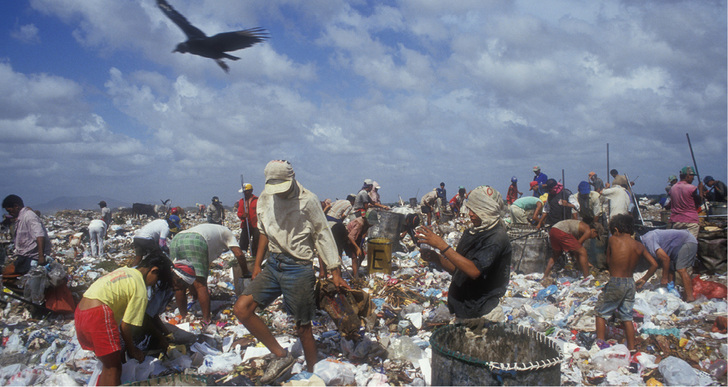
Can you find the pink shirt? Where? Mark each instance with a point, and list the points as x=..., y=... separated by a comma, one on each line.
x=682, y=203
x=28, y=228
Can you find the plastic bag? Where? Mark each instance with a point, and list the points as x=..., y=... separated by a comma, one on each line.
x=224, y=363
x=677, y=372
x=57, y=274
x=709, y=289
x=404, y=348
x=335, y=373
x=340, y=308
x=35, y=284
x=612, y=358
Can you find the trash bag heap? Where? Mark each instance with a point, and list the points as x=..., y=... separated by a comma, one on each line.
x=380, y=332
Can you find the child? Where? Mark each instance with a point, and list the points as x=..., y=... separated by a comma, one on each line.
x=623, y=253
x=119, y=297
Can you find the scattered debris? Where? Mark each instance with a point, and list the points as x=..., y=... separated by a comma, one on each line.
x=379, y=333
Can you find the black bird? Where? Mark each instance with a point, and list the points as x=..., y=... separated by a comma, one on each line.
x=213, y=47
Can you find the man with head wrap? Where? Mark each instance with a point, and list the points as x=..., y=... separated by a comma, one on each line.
x=557, y=205
x=480, y=266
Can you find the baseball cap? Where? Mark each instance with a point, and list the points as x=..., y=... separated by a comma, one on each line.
x=246, y=187
x=279, y=176
x=368, y=182
x=551, y=183
x=533, y=184
x=376, y=185
x=536, y=168
x=671, y=178
x=707, y=179
x=687, y=171
x=175, y=220
x=215, y=199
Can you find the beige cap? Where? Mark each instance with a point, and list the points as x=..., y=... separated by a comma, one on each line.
x=279, y=176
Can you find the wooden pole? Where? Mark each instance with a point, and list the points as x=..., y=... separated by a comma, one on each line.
x=608, y=175
x=695, y=165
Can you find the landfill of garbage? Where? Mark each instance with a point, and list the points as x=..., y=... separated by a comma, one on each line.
x=678, y=343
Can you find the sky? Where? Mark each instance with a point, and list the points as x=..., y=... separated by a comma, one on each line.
x=407, y=93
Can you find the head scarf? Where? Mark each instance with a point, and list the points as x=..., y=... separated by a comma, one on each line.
x=488, y=204
x=185, y=271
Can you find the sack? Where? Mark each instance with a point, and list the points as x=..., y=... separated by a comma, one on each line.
x=340, y=307
x=57, y=273
x=709, y=289
x=34, y=285
x=59, y=299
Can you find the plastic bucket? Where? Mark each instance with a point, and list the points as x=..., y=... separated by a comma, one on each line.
x=379, y=255
x=497, y=354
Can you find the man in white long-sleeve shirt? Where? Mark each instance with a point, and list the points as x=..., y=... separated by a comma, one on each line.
x=294, y=228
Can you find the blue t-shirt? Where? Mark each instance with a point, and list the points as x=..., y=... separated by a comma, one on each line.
x=541, y=179
x=670, y=241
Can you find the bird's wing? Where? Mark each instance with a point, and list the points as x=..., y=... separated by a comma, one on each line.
x=236, y=40
x=189, y=30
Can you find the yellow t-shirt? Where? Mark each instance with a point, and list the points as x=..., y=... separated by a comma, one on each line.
x=125, y=292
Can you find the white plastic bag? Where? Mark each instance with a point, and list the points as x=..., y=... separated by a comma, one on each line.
x=223, y=363
x=612, y=358
x=335, y=373
x=677, y=372
x=94, y=379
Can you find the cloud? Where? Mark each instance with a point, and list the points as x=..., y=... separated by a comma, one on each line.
x=49, y=133
x=407, y=93
x=27, y=33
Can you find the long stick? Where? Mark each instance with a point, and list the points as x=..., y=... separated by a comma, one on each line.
x=696, y=173
x=563, y=208
x=634, y=198
x=608, y=163
x=245, y=209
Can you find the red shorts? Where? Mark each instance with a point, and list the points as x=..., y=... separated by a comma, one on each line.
x=562, y=241
x=97, y=331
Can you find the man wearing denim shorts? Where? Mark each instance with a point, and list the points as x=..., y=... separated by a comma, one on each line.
x=676, y=249
x=292, y=226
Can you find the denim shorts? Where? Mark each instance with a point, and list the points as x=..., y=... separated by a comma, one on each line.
x=294, y=279
x=618, y=294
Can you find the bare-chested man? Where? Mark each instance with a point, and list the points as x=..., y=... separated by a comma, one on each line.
x=623, y=254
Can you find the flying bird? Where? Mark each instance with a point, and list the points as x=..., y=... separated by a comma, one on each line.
x=213, y=47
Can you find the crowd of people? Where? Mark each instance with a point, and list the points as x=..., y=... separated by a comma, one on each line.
x=290, y=228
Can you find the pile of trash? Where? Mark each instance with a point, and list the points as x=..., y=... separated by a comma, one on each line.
x=677, y=342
